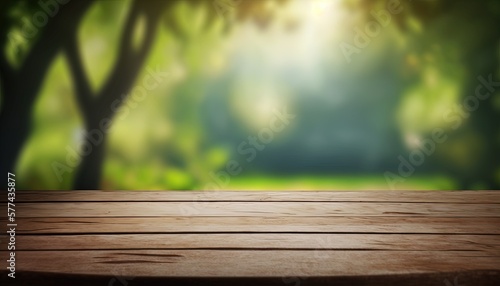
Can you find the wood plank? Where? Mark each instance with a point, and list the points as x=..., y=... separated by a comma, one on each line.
x=260, y=235
x=382, y=224
x=319, y=242
x=262, y=263
x=258, y=209
x=285, y=196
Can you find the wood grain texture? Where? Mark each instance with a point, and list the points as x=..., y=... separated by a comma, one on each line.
x=285, y=196
x=253, y=209
x=264, y=241
x=149, y=225
x=254, y=263
x=256, y=238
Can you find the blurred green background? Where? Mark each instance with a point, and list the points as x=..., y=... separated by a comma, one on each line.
x=365, y=84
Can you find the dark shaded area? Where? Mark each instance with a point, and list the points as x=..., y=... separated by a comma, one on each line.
x=479, y=278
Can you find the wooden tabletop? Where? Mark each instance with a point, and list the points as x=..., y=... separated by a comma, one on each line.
x=447, y=238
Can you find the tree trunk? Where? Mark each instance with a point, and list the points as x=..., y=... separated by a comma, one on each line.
x=485, y=119
x=20, y=87
x=93, y=150
x=95, y=108
x=15, y=127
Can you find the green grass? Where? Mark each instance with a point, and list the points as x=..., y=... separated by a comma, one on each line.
x=323, y=182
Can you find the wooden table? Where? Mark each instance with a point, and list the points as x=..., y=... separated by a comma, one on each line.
x=256, y=238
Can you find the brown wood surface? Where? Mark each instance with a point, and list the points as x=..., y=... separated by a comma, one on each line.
x=487, y=197
x=256, y=263
x=256, y=238
x=253, y=209
x=293, y=224
x=264, y=241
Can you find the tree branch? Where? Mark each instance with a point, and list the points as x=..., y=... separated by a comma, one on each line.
x=83, y=91
x=5, y=78
x=129, y=61
x=128, y=29
x=54, y=34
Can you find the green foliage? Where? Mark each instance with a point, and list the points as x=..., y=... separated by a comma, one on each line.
x=429, y=58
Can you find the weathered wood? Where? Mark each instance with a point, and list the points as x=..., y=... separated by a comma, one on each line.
x=468, y=197
x=147, y=225
x=344, y=238
x=254, y=263
x=264, y=241
x=259, y=209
